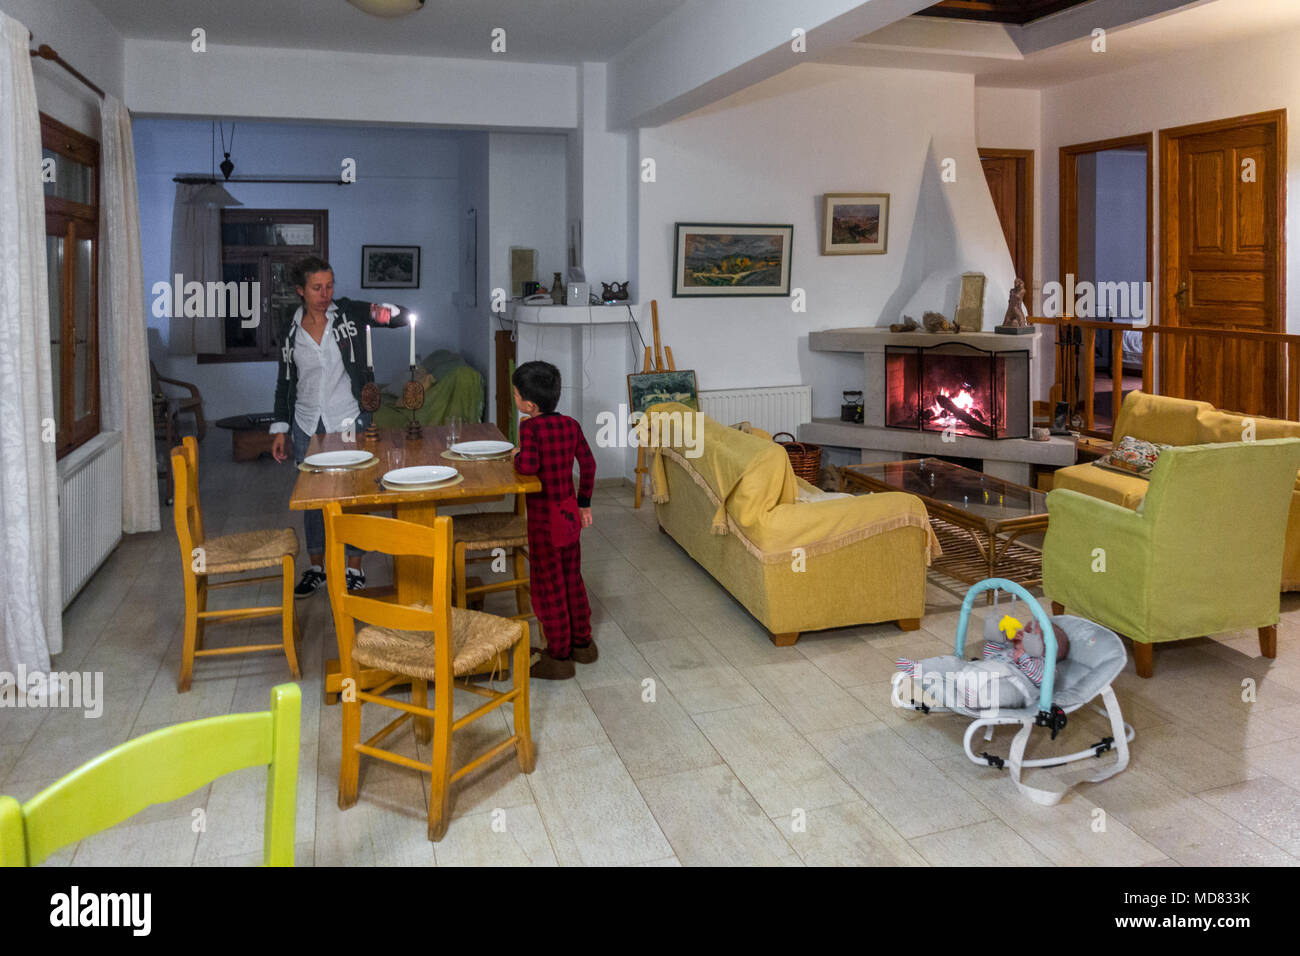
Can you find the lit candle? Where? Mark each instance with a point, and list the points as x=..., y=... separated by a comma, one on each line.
x=413, y=341
x=370, y=362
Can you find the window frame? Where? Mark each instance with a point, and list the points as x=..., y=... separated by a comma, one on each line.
x=72, y=221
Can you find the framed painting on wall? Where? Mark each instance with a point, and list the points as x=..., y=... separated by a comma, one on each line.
x=855, y=224
x=390, y=267
x=713, y=259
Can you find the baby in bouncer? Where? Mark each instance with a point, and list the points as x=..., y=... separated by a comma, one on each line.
x=1009, y=675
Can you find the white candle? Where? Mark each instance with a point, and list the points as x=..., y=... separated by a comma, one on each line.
x=370, y=362
x=412, y=340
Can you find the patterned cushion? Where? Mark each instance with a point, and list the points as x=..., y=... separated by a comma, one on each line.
x=1133, y=456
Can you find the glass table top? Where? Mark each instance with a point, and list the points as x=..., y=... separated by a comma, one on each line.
x=976, y=493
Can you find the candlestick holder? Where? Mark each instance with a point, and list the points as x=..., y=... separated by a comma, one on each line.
x=412, y=400
x=371, y=399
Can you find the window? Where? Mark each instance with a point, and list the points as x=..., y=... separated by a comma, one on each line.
x=262, y=245
x=71, y=171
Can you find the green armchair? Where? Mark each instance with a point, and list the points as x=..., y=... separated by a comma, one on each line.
x=1201, y=555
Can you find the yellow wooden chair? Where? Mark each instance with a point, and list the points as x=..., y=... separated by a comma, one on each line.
x=203, y=557
x=476, y=537
x=416, y=644
x=160, y=767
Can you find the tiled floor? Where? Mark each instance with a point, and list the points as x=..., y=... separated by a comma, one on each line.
x=691, y=741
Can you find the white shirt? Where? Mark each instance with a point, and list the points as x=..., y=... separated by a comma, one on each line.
x=324, y=388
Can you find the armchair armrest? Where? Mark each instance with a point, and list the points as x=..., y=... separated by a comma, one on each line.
x=194, y=389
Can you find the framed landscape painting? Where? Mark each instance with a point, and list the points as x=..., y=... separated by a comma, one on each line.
x=649, y=388
x=390, y=267
x=855, y=224
x=730, y=260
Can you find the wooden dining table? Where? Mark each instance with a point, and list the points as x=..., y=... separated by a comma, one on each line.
x=361, y=491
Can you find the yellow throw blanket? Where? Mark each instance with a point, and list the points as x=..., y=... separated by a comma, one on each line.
x=750, y=481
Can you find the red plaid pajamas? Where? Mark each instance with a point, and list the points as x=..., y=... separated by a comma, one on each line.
x=548, y=446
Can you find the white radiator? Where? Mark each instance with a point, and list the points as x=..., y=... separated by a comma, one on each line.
x=780, y=409
x=90, y=509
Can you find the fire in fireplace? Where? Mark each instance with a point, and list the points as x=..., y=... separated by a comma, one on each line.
x=958, y=388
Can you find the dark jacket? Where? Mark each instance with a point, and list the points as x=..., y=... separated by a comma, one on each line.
x=350, y=317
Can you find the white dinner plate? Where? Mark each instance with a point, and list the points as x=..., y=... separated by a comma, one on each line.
x=337, y=459
x=420, y=475
x=481, y=449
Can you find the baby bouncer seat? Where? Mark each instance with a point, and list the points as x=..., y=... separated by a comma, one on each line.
x=1096, y=657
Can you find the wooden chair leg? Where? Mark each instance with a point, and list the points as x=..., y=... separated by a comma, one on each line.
x=1268, y=641
x=784, y=640
x=350, y=764
x=288, y=625
x=1057, y=608
x=522, y=714
x=191, y=634
x=439, y=788
x=201, y=606
x=420, y=698
x=1143, y=654
x=909, y=623
x=523, y=601
x=458, y=573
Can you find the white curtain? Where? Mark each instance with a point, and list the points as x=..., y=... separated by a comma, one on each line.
x=124, y=389
x=196, y=257
x=31, y=625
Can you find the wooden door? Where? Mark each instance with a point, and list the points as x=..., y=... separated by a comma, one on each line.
x=1010, y=175
x=1222, y=204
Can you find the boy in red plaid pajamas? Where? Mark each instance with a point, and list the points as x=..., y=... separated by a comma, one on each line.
x=548, y=445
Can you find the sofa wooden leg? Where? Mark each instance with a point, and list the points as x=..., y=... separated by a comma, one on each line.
x=784, y=640
x=1268, y=641
x=1143, y=654
x=1057, y=608
x=909, y=623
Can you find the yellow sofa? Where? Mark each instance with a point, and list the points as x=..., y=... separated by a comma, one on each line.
x=1178, y=421
x=798, y=559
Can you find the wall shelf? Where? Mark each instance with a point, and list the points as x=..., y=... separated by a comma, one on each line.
x=575, y=314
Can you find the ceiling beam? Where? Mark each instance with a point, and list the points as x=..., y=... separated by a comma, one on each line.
x=708, y=49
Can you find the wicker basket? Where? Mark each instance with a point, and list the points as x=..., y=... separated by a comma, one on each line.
x=805, y=457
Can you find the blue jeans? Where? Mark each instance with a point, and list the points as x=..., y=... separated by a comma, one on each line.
x=313, y=522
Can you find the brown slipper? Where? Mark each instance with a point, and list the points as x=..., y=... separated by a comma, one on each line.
x=547, y=667
x=584, y=653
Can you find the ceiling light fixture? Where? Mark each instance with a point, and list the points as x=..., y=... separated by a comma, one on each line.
x=387, y=8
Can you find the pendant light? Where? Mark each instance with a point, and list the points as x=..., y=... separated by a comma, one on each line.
x=387, y=8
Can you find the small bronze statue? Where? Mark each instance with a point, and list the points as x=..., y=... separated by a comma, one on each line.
x=907, y=325
x=1016, y=321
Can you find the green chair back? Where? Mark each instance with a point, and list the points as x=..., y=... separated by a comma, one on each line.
x=159, y=767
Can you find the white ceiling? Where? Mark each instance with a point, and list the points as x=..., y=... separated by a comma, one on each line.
x=986, y=51
x=567, y=31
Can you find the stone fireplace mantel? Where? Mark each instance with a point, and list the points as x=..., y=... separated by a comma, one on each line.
x=1007, y=458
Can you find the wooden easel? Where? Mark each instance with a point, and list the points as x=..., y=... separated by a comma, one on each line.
x=654, y=362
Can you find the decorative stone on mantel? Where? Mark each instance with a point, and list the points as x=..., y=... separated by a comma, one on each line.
x=1009, y=458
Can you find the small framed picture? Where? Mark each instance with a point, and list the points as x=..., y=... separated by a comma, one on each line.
x=650, y=388
x=731, y=260
x=390, y=267
x=855, y=224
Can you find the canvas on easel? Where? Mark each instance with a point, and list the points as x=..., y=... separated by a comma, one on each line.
x=656, y=371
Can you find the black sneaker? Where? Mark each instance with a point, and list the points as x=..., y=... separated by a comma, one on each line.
x=312, y=579
x=356, y=579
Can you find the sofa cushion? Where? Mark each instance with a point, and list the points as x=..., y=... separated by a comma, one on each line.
x=1126, y=491
x=1132, y=456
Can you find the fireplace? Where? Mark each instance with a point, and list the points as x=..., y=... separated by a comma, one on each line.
x=958, y=387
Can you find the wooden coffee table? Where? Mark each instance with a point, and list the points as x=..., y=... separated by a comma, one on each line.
x=250, y=435
x=976, y=517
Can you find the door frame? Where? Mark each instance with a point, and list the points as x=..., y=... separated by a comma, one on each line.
x=1170, y=157
x=1024, y=216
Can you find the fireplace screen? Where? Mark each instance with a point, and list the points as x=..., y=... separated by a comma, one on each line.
x=973, y=392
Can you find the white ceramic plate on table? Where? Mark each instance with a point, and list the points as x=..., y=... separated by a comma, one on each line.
x=481, y=449
x=420, y=475
x=337, y=459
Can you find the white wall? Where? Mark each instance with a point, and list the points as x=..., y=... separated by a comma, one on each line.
x=767, y=155
x=407, y=193
x=80, y=34
x=1012, y=119
x=1121, y=222
x=1207, y=84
